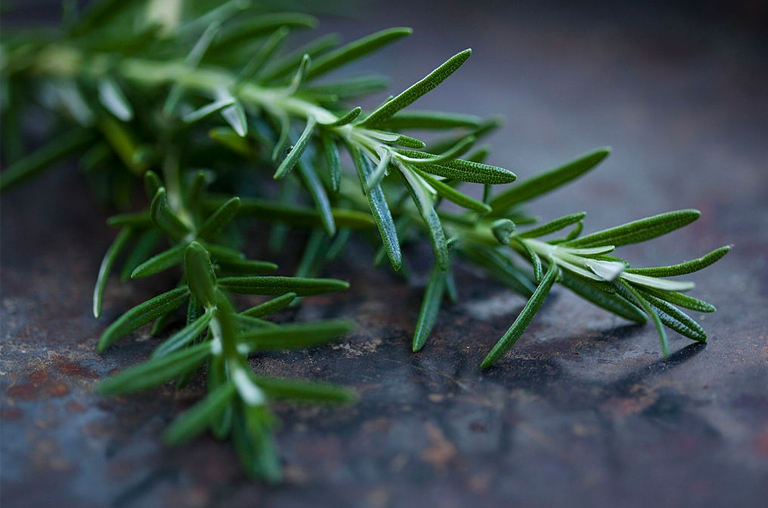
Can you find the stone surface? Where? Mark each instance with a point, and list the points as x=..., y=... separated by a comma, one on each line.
x=582, y=412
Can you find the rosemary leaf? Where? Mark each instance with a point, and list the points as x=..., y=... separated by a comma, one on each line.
x=453, y=195
x=355, y=50
x=184, y=336
x=608, y=301
x=344, y=120
x=200, y=275
x=317, y=191
x=111, y=255
x=379, y=210
x=159, y=262
x=683, y=268
x=275, y=285
x=143, y=314
x=676, y=319
x=523, y=320
x=294, y=336
x=554, y=226
x=431, y=120
x=548, y=181
x=165, y=218
x=305, y=390
x=638, y=231
x=430, y=306
x=331, y=151
x=427, y=84
x=295, y=154
x=219, y=219
x=154, y=372
x=270, y=306
x=196, y=419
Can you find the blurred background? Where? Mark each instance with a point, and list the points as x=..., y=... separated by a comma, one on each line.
x=583, y=413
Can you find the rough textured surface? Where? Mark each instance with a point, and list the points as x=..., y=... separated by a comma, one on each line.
x=583, y=412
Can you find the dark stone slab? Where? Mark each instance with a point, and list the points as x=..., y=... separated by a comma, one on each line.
x=583, y=412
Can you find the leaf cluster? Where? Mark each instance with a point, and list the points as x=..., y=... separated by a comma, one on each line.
x=223, y=122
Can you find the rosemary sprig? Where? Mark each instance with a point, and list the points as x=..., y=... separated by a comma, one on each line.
x=206, y=105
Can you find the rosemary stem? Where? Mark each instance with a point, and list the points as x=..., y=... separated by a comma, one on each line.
x=66, y=62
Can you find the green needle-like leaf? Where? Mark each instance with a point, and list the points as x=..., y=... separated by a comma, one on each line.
x=379, y=209
x=112, y=98
x=503, y=229
x=271, y=306
x=311, y=391
x=165, y=218
x=427, y=84
x=681, y=300
x=683, y=268
x=280, y=285
x=676, y=319
x=331, y=151
x=355, y=50
x=235, y=117
x=463, y=170
x=547, y=182
x=430, y=306
x=453, y=195
x=553, y=226
x=207, y=110
x=219, y=219
x=295, y=154
x=317, y=191
x=430, y=120
x=111, y=255
x=184, y=336
x=201, y=278
x=143, y=314
x=298, y=216
x=608, y=301
x=152, y=184
x=300, y=76
x=638, y=231
x=158, y=263
x=344, y=120
x=246, y=267
x=197, y=419
x=154, y=372
x=535, y=261
x=295, y=335
x=523, y=320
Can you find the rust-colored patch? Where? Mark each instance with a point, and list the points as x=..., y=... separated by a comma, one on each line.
x=70, y=368
x=10, y=414
x=58, y=390
x=74, y=407
x=441, y=452
x=39, y=377
x=23, y=392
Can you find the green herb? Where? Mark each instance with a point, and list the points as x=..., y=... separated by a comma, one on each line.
x=207, y=107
